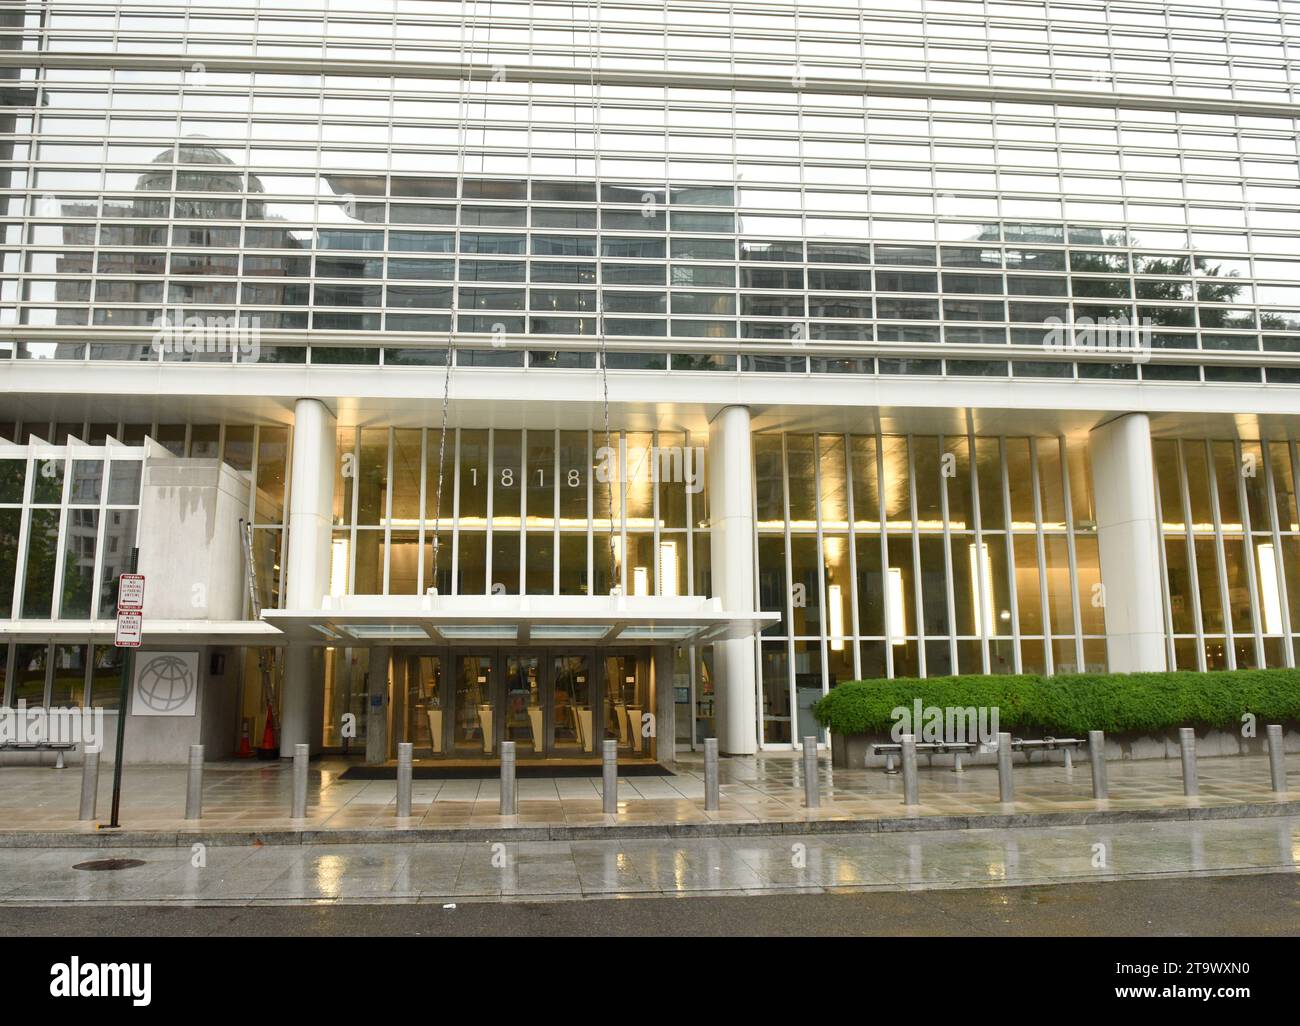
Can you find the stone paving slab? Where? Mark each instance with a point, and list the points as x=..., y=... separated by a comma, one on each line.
x=248, y=804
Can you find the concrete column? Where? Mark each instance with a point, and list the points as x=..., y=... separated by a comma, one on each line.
x=665, y=739
x=377, y=705
x=731, y=508
x=311, y=506
x=1128, y=536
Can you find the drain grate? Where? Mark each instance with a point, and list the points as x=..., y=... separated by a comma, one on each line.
x=108, y=865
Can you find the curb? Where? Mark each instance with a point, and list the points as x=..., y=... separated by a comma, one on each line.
x=638, y=831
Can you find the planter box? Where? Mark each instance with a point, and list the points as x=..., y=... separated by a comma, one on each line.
x=853, y=751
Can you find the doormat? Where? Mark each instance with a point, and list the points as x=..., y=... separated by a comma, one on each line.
x=522, y=769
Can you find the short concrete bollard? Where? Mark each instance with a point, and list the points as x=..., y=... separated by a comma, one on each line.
x=908, y=759
x=509, y=805
x=956, y=762
x=194, y=784
x=710, y=774
x=404, y=753
x=811, y=791
x=1187, y=744
x=89, y=784
x=1276, y=757
x=1006, y=790
x=1097, y=761
x=609, y=776
x=301, y=754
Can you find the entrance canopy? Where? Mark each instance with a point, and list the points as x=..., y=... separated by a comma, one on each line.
x=516, y=620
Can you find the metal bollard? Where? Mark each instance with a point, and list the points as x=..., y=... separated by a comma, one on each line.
x=1276, y=756
x=811, y=790
x=89, y=784
x=609, y=776
x=1069, y=762
x=1187, y=742
x=1097, y=760
x=509, y=805
x=301, y=753
x=404, y=752
x=1006, y=791
x=194, y=785
x=710, y=774
x=908, y=759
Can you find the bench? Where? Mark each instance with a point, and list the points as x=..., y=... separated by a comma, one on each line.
x=40, y=746
x=958, y=748
x=1067, y=745
x=1047, y=744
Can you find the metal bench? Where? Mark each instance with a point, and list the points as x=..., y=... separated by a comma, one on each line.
x=58, y=747
x=1048, y=744
x=958, y=748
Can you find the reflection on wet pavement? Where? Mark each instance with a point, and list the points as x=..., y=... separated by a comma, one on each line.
x=505, y=869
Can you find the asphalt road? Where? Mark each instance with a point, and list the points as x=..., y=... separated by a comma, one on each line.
x=1264, y=905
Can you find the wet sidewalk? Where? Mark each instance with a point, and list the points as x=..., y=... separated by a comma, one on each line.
x=247, y=801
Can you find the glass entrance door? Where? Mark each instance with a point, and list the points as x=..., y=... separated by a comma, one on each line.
x=473, y=701
x=523, y=704
x=573, y=693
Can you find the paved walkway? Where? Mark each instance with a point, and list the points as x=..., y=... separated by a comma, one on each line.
x=763, y=792
x=791, y=864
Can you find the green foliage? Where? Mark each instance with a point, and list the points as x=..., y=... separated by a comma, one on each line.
x=1075, y=703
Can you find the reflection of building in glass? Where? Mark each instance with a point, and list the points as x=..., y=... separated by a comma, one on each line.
x=930, y=312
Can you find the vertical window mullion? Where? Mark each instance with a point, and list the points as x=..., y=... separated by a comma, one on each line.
x=1220, y=557
x=824, y=627
x=948, y=571
x=1288, y=650
x=491, y=490
x=454, y=566
x=917, y=595
x=789, y=596
x=1049, y=652
x=884, y=552
x=1076, y=600
x=388, y=510
x=1171, y=657
x=1009, y=553
x=852, y=582
x=1248, y=555
x=1194, y=577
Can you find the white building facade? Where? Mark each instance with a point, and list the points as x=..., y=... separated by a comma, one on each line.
x=789, y=345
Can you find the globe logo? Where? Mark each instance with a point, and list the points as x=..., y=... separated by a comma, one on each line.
x=165, y=683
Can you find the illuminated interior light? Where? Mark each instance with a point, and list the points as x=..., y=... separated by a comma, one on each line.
x=1268, y=589
x=338, y=567
x=835, y=598
x=640, y=581
x=667, y=568
x=981, y=586
x=897, y=609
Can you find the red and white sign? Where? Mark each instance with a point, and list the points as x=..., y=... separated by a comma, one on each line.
x=130, y=624
x=130, y=592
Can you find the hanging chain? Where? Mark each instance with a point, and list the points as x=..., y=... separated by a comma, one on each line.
x=593, y=30
x=461, y=134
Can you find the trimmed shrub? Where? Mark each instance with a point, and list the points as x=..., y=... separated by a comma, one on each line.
x=1075, y=703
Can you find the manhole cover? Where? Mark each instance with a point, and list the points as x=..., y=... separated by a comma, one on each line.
x=108, y=865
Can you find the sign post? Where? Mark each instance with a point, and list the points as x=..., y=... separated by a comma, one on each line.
x=130, y=621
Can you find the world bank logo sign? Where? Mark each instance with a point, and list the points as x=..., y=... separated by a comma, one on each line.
x=165, y=684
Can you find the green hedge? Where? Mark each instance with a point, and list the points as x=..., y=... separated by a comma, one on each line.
x=1071, y=704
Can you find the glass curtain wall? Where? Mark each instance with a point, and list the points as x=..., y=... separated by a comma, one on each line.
x=521, y=512
x=920, y=555
x=1231, y=553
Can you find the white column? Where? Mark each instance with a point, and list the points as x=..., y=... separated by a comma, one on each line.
x=731, y=509
x=311, y=504
x=1128, y=536
x=377, y=705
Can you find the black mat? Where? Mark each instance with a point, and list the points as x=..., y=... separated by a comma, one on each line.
x=522, y=769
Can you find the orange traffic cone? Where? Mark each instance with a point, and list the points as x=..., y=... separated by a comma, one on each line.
x=268, y=735
x=245, y=750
